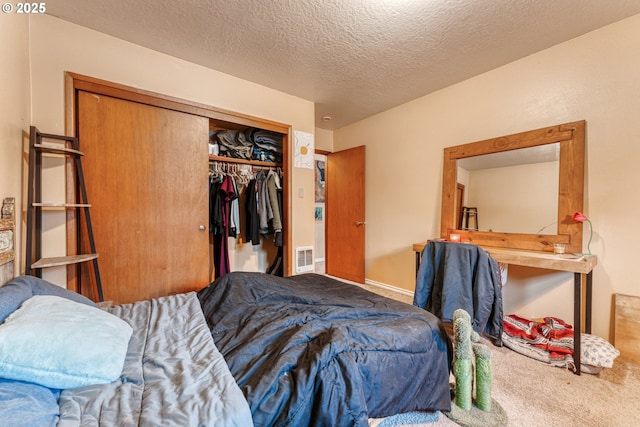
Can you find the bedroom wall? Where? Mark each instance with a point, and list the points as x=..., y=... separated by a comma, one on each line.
x=323, y=139
x=58, y=46
x=516, y=199
x=593, y=77
x=14, y=109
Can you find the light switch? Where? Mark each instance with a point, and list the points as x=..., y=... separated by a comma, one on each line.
x=301, y=192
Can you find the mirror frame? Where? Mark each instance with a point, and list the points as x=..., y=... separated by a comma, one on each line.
x=571, y=137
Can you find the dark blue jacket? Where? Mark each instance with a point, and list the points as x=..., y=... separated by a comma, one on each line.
x=461, y=275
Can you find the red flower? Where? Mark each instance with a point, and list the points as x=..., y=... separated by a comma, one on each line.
x=579, y=217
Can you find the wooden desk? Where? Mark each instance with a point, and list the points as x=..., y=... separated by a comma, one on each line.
x=579, y=266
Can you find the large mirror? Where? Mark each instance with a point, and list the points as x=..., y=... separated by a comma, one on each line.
x=528, y=198
x=520, y=190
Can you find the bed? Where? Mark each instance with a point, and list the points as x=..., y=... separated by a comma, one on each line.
x=248, y=349
x=170, y=372
x=312, y=348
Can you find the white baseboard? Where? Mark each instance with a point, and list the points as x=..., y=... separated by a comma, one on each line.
x=388, y=287
x=378, y=284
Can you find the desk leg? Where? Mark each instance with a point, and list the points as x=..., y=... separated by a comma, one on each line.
x=417, y=262
x=577, y=315
x=587, y=315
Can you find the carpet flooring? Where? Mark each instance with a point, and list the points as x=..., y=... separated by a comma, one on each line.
x=534, y=394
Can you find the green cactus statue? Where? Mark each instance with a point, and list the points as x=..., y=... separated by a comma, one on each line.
x=473, y=337
x=460, y=313
x=463, y=370
x=483, y=376
x=462, y=365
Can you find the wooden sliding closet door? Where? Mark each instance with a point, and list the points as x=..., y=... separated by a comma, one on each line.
x=146, y=172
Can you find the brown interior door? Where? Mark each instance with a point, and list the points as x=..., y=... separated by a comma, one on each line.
x=345, y=220
x=146, y=174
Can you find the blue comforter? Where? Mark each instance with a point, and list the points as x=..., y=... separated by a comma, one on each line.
x=310, y=350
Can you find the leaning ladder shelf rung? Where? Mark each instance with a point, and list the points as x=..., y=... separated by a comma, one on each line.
x=47, y=148
x=61, y=205
x=63, y=260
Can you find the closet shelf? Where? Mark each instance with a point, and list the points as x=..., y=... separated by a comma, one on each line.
x=213, y=158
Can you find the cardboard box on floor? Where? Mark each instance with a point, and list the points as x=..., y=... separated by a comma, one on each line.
x=627, y=327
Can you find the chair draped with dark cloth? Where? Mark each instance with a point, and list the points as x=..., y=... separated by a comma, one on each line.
x=461, y=275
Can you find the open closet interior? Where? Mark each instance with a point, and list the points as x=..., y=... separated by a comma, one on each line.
x=162, y=173
x=245, y=198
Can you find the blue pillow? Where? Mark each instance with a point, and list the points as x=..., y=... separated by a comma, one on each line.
x=22, y=288
x=61, y=344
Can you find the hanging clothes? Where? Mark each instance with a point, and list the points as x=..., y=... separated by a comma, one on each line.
x=278, y=235
x=273, y=187
x=252, y=218
x=215, y=205
x=224, y=194
x=262, y=210
x=273, y=183
x=234, y=218
x=277, y=266
x=265, y=211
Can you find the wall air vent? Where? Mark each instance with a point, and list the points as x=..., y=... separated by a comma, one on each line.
x=304, y=259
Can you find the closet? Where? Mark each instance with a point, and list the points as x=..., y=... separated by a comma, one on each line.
x=245, y=198
x=148, y=166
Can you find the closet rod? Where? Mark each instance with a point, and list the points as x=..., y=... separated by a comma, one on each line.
x=226, y=166
x=213, y=158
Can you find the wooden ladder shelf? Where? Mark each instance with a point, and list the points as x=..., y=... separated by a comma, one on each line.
x=69, y=147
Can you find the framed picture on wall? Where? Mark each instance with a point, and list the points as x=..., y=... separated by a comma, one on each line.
x=319, y=180
x=7, y=252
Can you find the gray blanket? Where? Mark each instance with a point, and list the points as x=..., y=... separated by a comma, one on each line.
x=173, y=374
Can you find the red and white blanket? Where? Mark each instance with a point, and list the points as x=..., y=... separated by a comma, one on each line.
x=550, y=341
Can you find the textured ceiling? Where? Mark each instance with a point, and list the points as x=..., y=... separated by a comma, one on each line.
x=353, y=58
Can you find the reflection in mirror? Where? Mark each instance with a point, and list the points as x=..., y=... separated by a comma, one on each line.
x=514, y=191
x=541, y=232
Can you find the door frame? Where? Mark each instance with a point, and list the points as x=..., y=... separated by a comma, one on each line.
x=77, y=82
x=459, y=204
x=324, y=213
